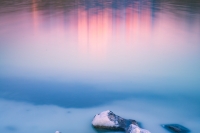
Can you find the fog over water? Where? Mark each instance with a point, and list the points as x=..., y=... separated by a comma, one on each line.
x=63, y=61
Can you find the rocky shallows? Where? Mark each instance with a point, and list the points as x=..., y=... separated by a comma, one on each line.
x=109, y=120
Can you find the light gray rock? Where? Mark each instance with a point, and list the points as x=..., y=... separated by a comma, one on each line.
x=135, y=129
x=109, y=120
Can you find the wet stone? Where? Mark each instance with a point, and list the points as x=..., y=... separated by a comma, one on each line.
x=109, y=120
x=176, y=128
x=123, y=123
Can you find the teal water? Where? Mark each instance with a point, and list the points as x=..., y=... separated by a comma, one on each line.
x=62, y=62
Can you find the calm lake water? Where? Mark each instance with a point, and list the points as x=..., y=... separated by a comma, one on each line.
x=63, y=61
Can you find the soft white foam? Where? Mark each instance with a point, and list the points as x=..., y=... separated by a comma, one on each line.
x=136, y=129
x=57, y=132
x=103, y=120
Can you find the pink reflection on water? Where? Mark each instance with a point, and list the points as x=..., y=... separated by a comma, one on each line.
x=105, y=39
x=35, y=15
x=93, y=30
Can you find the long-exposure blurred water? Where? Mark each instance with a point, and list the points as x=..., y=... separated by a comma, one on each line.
x=63, y=61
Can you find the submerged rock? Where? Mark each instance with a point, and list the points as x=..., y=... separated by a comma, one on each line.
x=109, y=120
x=176, y=128
x=135, y=129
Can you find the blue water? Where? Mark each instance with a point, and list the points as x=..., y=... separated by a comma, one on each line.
x=62, y=62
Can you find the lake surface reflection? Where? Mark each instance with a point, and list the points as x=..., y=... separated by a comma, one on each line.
x=63, y=61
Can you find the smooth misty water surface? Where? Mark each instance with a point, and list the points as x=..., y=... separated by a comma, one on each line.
x=63, y=61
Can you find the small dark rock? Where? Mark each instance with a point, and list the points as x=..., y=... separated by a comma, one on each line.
x=176, y=128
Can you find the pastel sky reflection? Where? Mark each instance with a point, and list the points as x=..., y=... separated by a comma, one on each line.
x=140, y=46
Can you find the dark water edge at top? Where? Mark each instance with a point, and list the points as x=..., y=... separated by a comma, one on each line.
x=189, y=6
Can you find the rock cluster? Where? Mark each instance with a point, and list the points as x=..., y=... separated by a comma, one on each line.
x=109, y=120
